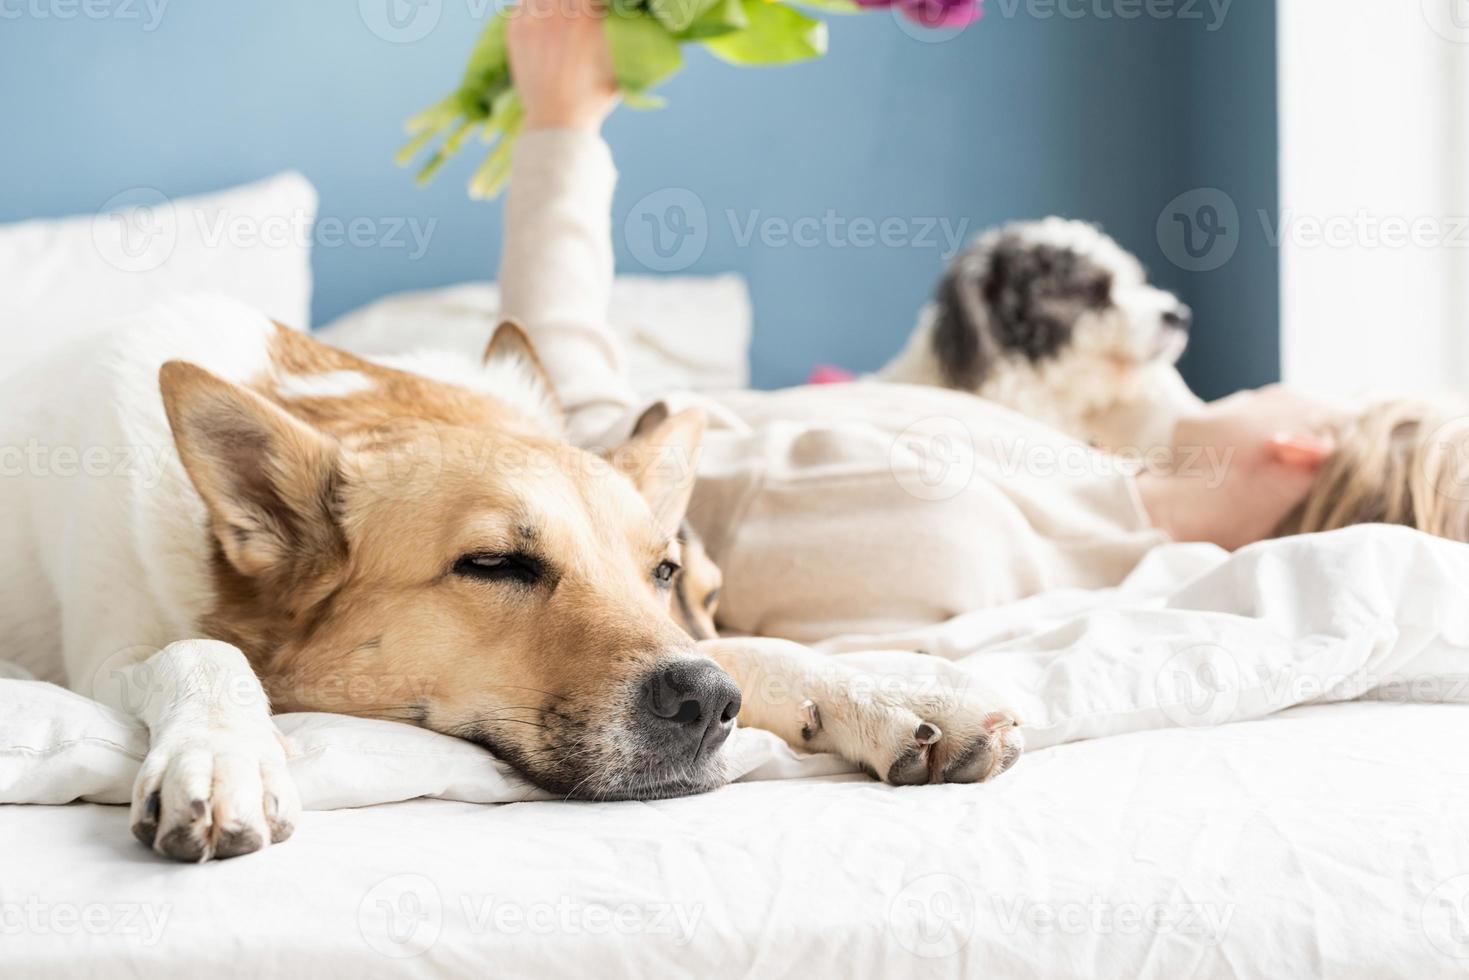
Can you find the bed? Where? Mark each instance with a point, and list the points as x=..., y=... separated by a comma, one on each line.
x=1238, y=766
x=1241, y=766
x=1305, y=844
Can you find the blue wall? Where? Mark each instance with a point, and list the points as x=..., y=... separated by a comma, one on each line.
x=1021, y=115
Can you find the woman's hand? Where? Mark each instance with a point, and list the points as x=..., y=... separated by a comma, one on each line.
x=560, y=63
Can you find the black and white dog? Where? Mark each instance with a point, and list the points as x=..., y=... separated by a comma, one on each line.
x=1056, y=320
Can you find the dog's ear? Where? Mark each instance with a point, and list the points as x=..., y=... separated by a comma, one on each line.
x=511, y=342
x=960, y=331
x=267, y=479
x=653, y=416
x=661, y=459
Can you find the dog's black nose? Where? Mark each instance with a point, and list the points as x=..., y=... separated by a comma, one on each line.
x=690, y=706
x=1180, y=317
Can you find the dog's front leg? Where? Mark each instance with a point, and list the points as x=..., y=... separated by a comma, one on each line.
x=214, y=783
x=900, y=727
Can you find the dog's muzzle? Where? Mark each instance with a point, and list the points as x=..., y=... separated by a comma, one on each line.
x=686, y=710
x=1180, y=317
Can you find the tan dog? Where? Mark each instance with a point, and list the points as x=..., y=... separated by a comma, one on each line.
x=696, y=586
x=342, y=535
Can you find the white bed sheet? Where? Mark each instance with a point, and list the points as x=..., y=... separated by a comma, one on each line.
x=1318, y=831
x=1324, y=841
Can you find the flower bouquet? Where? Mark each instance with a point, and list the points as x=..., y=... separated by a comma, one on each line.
x=645, y=38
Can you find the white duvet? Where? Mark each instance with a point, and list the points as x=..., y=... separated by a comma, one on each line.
x=1195, y=827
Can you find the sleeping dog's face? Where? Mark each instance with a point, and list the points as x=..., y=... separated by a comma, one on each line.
x=1058, y=306
x=420, y=552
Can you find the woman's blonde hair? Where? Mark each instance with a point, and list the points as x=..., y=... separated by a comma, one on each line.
x=1399, y=462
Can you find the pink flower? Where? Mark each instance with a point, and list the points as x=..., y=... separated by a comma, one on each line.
x=934, y=13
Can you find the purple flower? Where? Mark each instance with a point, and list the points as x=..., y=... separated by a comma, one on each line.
x=934, y=13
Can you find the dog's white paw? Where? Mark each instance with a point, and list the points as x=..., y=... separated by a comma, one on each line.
x=215, y=793
x=911, y=733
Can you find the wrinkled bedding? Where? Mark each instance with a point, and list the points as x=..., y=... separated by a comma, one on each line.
x=1246, y=765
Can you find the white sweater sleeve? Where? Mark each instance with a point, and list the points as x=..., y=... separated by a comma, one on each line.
x=556, y=274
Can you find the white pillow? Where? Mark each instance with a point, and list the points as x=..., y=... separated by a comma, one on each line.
x=65, y=277
x=679, y=332
x=57, y=746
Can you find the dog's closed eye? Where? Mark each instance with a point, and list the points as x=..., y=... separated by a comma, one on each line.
x=518, y=567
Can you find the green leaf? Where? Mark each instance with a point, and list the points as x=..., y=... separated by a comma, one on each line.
x=489, y=60
x=677, y=15
x=724, y=17
x=504, y=127
x=777, y=35
x=644, y=53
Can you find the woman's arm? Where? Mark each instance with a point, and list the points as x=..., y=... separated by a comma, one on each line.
x=556, y=269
